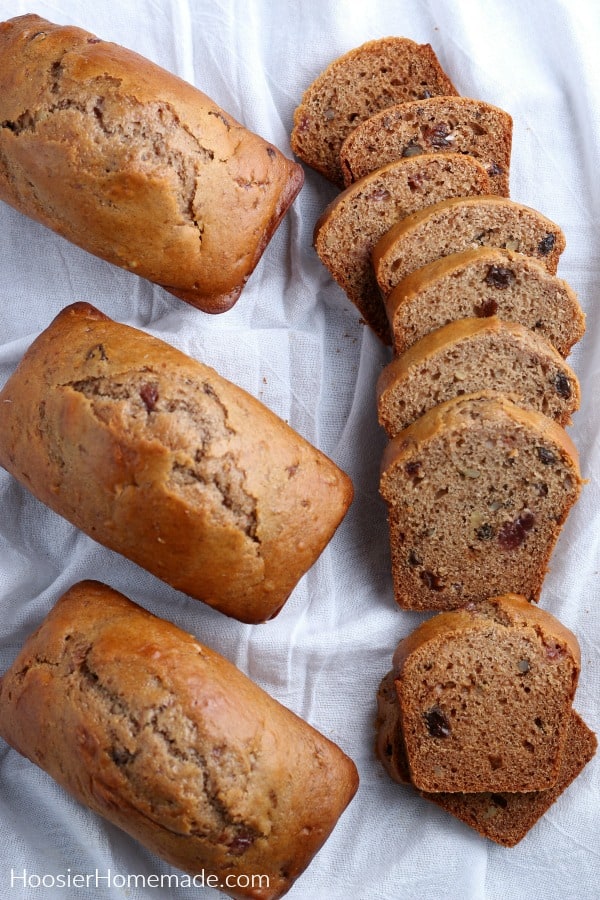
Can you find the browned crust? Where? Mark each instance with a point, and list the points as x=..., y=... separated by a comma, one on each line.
x=156, y=456
x=513, y=607
x=170, y=742
x=446, y=414
x=133, y=164
x=399, y=370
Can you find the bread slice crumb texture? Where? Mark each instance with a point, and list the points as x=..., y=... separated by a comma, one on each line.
x=477, y=491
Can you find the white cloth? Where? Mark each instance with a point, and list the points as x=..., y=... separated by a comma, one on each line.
x=295, y=341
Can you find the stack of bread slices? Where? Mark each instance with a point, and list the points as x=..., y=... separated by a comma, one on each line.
x=479, y=473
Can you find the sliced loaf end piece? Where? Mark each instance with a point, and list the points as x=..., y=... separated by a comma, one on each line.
x=485, y=695
x=503, y=817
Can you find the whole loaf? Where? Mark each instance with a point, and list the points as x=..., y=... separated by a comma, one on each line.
x=156, y=456
x=135, y=165
x=170, y=742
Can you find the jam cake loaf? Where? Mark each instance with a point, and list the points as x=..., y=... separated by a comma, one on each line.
x=156, y=456
x=135, y=165
x=170, y=742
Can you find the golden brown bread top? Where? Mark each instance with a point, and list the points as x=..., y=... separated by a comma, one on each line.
x=458, y=357
x=156, y=456
x=451, y=412
x=135, y=165
x=171, y=742
x=511, y=609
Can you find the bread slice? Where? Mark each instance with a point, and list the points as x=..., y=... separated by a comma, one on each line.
x=438, y=124
x=353, y=87
x=477, y=491
x=358, y=217
x=503, y=817
x=483, y=282
x=485, y=695
x=464, y=355
x=460, y=223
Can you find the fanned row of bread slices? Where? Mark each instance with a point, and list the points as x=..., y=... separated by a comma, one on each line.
x=479, y=474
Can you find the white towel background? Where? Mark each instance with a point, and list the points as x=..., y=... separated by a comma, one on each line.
x=294, y=341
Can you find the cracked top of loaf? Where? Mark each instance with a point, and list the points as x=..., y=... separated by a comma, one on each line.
x=134, y=164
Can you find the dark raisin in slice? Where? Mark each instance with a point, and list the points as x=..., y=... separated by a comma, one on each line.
x=546, y=245
x=413, y=469
x=485, y=532
x=499, y=277
x=413, y=559
x=499, y=800
x=437, y=723
x=562, y=385
x=546, y=456
x=513, y=534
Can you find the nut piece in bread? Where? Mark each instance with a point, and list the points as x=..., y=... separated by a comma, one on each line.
x=156, y=456
x=166, y=739
x=135, y=165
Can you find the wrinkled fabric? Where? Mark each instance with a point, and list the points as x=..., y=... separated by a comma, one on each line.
x=296, y=342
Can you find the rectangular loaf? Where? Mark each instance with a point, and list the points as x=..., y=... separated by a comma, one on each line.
x=170, y=742
x=156, y=456
x=135, y=165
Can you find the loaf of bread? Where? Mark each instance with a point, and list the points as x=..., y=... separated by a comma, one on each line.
x=504, y=817
x=485, y=281
x=485, y=695
x=353, y=87
x=437, y=124
x=156, y=456
x=358, y=217
x=460, y=224
x=461, y=356
x=133, y=164
x=170, y=742
x=477, y=491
